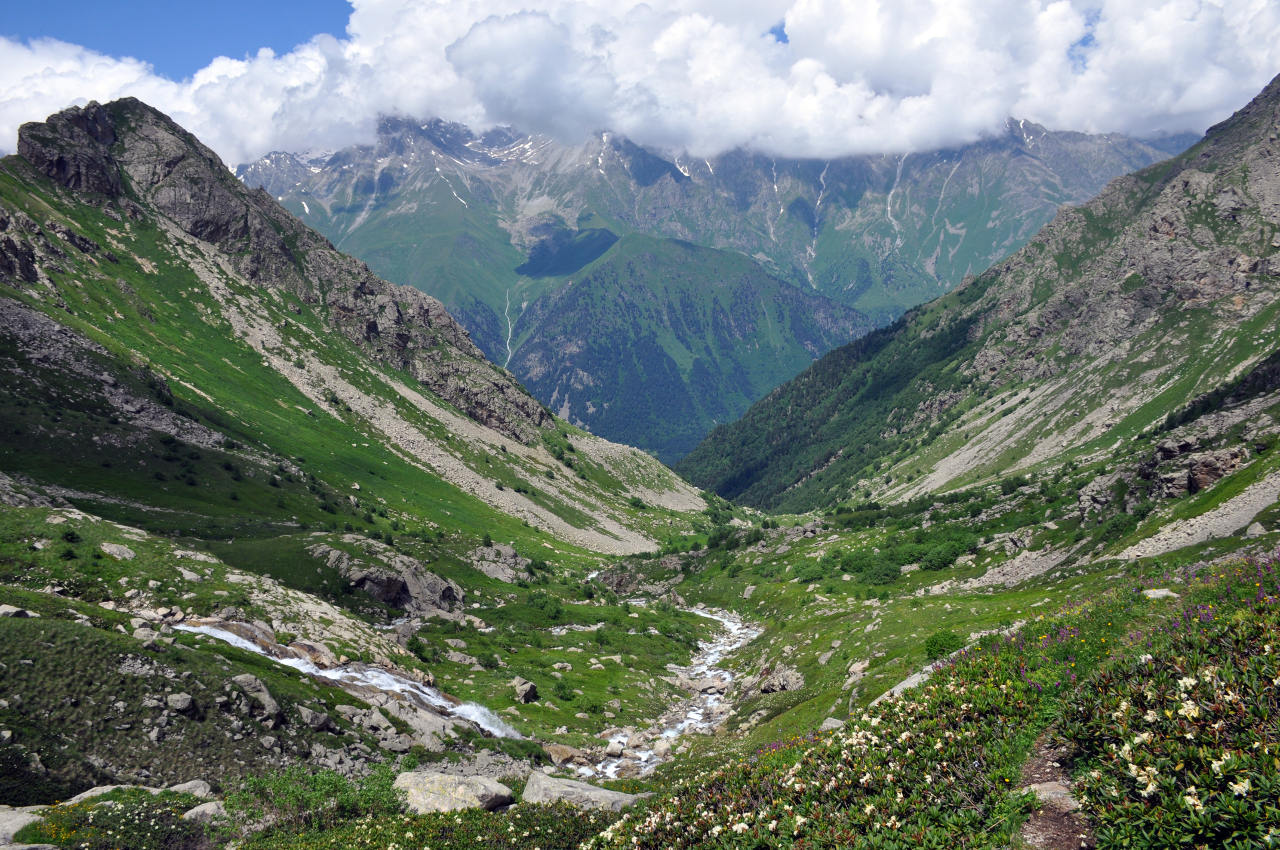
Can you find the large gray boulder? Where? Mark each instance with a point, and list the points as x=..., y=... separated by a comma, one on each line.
x=206, y=812
x=526, y=691
x=392, y=578
x=12, y=820
x=547, y=789
x=255, y=690
x=426, y=791
x=782, y=678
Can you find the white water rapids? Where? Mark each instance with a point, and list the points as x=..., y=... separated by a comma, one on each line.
x=364, y=676
x=698, y=713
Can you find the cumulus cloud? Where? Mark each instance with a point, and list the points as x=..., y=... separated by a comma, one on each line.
x=701, y=76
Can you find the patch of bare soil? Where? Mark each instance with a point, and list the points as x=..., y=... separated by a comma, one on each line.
x=1057, y=823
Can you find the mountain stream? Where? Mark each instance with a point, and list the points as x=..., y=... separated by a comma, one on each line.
x=633, y=753
x=356, y=677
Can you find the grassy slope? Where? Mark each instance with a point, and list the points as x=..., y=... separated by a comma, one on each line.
x=674, y=337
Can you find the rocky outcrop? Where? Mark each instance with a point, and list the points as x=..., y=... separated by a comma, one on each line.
x=427, y=792
x=126, y=150
x=542, y=788
x=499, y=561
x=73, y=148
x=781, y=678
x=391, y=577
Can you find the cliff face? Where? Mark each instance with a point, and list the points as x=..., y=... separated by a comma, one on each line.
x=129, y=156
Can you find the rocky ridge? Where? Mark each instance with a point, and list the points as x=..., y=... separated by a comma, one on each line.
x=127, y=154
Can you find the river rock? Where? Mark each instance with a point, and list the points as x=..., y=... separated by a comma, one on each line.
x=547, y=789
x=562, y=753
x=439, y=792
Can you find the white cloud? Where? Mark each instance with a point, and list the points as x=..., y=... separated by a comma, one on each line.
x=702, y=76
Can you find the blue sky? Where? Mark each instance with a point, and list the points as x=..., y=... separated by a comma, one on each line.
x=177, y=38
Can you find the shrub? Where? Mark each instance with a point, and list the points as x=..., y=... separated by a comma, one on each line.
x=296, y=799
x=942, y=642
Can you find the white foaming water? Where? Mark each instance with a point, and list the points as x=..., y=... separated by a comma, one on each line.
x=362, y=675
x=697, y=713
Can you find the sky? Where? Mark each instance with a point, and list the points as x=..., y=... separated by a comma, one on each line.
x=803, y=78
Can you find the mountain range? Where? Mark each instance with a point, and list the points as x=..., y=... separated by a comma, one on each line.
x=502, y=227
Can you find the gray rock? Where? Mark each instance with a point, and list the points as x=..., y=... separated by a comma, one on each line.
x=1054, y=795
x=12, y=820
x=1255, y=530
x=316, y=721
x=547, y=789
x=1160, y=593
x=14, y=611
x=98, y=791
x=526, y=691
x=782, y=678
x=196, y=787
x=255, y=690
x=562, y=754
x=180, y=702
x=206, y=812
x=831, y=724
x=427, y=791
x=118, y=551
x=392, y=578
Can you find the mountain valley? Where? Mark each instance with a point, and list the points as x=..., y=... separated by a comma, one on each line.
x=287, y=560
x=510, y=230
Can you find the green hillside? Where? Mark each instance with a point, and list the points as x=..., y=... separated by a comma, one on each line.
x=658, y=340
x=1116, y=314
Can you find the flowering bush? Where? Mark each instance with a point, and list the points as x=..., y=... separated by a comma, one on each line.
x=131, y=819
x=1184, y=738
x=549, y=827
x=1181, y=718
